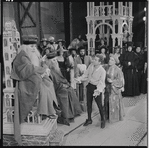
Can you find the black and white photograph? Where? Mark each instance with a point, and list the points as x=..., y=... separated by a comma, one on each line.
x=74, y=73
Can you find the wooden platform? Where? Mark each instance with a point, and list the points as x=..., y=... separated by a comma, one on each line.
x=42, y=129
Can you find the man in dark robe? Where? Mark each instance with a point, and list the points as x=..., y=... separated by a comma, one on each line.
x=67, y=99
x=140, y=65
x=129, y=61
x=144, y=75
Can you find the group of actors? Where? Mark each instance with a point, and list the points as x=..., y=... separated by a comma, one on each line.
x=52, y=73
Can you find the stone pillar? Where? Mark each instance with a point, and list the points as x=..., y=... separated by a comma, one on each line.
x=130, y=8
x=113, y=26
x=87, y=8
x=89, y=37
x=120, y=8
x=113, y=41
x=113, y=8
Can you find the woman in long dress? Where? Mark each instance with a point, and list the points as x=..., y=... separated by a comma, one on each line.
x=129, y=61
x=114, y=86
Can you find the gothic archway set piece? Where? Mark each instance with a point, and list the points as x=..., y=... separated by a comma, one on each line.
x=113, y=19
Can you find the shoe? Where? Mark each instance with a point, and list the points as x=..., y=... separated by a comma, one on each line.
x=54, y=116
x=62, y=120
x=71, y=119
x=87, y=122
x=103, y=124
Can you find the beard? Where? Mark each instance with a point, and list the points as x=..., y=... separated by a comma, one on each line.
x=55, y=66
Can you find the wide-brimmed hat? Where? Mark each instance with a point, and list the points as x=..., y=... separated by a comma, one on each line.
x=138, y=44
x=51, y=55
x=80, y=48
x=51, y=39
x=129, y=44
x=60, y=40
x=29, y=39
x=71, y=49
x=117, y=47
x=43, y=39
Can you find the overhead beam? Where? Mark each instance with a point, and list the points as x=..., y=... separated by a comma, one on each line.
x=27, y=13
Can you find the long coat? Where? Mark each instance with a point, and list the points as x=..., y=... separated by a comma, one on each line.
x=130, y=73
x=144, y=75
x=30, y=83
x=140, y=68
x=67, y=99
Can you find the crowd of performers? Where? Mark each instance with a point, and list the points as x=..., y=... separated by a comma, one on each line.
x=61, y=76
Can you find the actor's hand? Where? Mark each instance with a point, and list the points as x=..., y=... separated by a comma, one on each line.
x=77, y=80
x=44, y=58
x=109, y=80
x=129, y=63
x=48, y=72
x=68, y=69
x=96, y=93
x=145, y=67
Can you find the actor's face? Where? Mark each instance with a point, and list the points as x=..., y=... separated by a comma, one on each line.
x=103, y=50
x=60, y=43
x=44, y=43
x=129, y=48
x=73, y=52
x=138, y=49
x=111, y=61
x=61, y=52
x=102, y=42
x=82, y=52
x=117, y=50
x=96, y=61
x=32, y=47
x=92, y=53
x=47, y=51
x=54, y=62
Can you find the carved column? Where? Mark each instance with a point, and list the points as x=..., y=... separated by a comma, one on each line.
x=113, y=8
x=87, y=8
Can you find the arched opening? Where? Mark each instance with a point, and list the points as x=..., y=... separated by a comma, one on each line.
x=103, y=31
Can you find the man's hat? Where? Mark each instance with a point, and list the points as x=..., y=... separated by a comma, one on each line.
x=51, y=55
x=138, y=44
x=29, y=39
x=81, y=47
x=117, y=47
x=71, y=49
x=129, y=44
x=51, y=39
x=43, y=39
x=60, y=40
